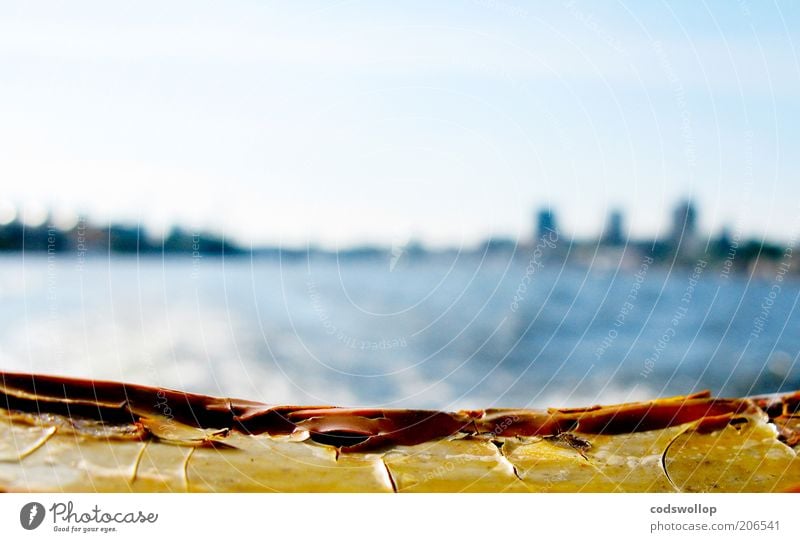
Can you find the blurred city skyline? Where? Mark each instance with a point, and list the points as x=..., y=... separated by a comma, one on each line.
x=683, y=216
x=358, y=123
x=682, y=220
x=683, y=244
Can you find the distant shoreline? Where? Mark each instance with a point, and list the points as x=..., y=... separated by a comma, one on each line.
x=750, y=261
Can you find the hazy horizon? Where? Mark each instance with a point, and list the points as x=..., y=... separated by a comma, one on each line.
x=363, y=123
x=67, y=220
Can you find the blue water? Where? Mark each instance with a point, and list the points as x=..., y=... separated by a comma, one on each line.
x=445, y=333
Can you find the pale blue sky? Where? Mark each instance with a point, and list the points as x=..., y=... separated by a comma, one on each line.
x=345, y=122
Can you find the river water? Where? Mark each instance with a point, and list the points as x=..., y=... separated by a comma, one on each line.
x=442, y=333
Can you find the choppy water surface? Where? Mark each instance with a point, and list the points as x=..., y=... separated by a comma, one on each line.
x=447, y=334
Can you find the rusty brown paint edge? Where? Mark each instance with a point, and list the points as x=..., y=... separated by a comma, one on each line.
x=363, y=429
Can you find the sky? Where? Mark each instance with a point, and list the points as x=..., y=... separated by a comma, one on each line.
x=341, y=123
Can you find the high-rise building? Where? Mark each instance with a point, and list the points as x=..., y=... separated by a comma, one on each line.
x=545, y=222
x=684, y=222
x=613, y=233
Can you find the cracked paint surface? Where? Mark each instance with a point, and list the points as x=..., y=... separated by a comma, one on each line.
x=61, y=434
